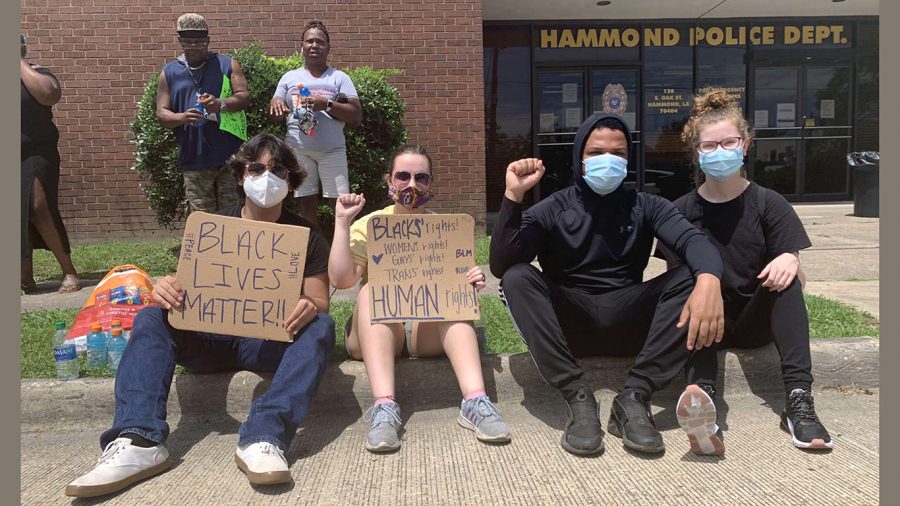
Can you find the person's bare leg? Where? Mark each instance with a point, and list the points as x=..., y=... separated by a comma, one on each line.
x=308, y=207
x=461, y=346
x=458, y=341
x=378, y=344
x=28, y=283
x=43, y=222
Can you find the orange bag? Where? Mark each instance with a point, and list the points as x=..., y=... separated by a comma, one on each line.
x=120, y=295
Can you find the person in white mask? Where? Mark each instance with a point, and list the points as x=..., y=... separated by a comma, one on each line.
x=759, y=237
x=134, y=448
x=593, y=240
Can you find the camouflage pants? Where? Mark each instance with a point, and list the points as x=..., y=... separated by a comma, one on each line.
x=209, y=190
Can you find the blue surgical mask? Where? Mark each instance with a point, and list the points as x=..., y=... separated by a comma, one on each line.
x=604, y=173
x=722, y=163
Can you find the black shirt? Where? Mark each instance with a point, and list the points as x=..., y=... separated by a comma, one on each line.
x=317, y=249
x=38, y=131
x=747, y=238
x=594, y=243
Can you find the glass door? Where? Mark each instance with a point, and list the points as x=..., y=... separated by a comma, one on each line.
x=801, y=117
x=561, y=109
x=827, y=132
x=564, y=100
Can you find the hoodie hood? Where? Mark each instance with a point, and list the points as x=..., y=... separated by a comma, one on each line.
x=581, y=137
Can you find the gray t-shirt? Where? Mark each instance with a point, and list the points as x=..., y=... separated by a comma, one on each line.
x=329, y=132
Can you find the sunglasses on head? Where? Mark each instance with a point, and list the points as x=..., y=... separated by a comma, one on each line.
x=257, y=168
x=404, y=176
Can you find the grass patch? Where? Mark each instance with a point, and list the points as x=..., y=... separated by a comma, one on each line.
x=93, y=261
x=482, y=250
x=827, y=318
x=501, y=335
x=158, y=258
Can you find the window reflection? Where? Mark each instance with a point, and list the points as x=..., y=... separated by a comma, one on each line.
x=507, y=111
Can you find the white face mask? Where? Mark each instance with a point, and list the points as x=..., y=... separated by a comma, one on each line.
x=265, y=190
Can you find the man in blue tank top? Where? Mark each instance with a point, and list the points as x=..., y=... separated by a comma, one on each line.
x=204, y=143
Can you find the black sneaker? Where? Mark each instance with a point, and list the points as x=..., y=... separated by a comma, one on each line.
x=584, y=433
x=800, y=420
x=630, y=419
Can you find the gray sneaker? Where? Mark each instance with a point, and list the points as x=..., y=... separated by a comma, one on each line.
x=385, y=419
x=480, y=415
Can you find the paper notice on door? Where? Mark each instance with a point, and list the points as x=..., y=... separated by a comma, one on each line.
x=786, y=113
x=761, y=118
x=548, y=122
x=573, y=117
x=570, y=93
x=826, y=109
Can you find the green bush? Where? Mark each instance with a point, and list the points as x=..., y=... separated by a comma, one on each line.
x=369, y=144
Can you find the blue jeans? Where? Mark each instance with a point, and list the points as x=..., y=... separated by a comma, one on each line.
x=145, y=375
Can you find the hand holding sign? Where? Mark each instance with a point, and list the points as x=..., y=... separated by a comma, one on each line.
x=348, y=205
x=476, y=277
x=303, y=313
x=167, y=293
x=521, y=176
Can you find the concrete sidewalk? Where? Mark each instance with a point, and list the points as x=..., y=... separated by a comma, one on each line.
x=842, y=263
x=441, y=463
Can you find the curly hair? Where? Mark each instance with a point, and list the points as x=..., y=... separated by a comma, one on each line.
x=253, y=150
x=318, y=25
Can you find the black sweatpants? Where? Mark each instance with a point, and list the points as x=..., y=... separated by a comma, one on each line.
x=559, y=324
x=757, y=321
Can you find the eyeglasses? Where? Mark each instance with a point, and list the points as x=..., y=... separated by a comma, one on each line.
x=257, y=169
x=726, y=143
x=193, y=43
x=422, y=178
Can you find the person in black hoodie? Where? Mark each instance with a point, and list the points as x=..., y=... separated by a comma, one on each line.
x=593, y=242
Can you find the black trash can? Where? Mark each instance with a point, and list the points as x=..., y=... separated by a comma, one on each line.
x=864, y=165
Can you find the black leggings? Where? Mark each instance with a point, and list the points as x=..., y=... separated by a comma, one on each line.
x=765, y=317
x=559, y=324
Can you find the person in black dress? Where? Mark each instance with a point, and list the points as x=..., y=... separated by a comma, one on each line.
x=42, y=225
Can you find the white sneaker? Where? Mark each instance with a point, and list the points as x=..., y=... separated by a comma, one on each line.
x=120, y=465
x=696, y=413
x=263, y=463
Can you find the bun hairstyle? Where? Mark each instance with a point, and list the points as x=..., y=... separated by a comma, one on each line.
x=712, y=107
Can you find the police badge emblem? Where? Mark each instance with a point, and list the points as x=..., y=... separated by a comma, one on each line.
x=615, y=99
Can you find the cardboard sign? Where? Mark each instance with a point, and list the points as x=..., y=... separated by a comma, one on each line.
x=417, y=268
x=240, y=277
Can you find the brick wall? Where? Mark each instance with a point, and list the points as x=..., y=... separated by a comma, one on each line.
x=103, y=52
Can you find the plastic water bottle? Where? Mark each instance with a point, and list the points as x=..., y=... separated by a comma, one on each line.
x=126, y=331
x=96, y=347
x=197, y=105
x=115, y=346
x=64, y=354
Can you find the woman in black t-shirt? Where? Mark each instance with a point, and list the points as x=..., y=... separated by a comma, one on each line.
x=42, y=225
x=759, y=237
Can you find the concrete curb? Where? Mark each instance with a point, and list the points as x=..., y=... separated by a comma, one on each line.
x=842, y=364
